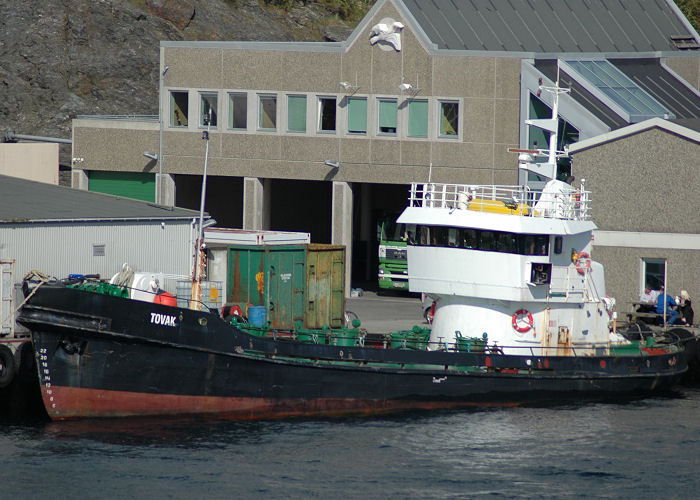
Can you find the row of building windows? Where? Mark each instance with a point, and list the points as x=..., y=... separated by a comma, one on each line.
x=386, y=110
x=476, y=239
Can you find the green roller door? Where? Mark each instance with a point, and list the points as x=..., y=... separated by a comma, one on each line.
x=136, y=185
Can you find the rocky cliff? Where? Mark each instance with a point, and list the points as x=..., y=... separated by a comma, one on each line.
x=64, y=58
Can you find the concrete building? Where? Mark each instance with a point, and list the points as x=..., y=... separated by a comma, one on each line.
x=325, y=137
x=645, y=179
x=34, y=162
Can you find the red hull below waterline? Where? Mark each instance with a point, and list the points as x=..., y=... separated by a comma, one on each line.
x=65, y=403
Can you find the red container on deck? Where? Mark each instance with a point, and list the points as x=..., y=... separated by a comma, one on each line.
x=165, y=299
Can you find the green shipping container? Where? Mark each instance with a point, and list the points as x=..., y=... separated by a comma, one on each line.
x=298, y=284
x=325, y=286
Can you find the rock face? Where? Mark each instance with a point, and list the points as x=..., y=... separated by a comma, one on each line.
x=65, y=58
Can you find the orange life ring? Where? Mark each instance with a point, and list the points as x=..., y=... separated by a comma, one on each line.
x=583, y=263
x=522, y=320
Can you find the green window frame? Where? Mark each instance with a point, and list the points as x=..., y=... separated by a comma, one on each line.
x=178, y=108
x=449, y=119
x=387, y=116
x=417, y=118
x=357, y=115
x=296, y=113
x=238, y=111
x=267, y=112
x=208, y=107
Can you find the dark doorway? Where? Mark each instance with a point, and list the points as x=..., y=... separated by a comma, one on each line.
x=224, y=198
x=301, y=206
x=371, y=202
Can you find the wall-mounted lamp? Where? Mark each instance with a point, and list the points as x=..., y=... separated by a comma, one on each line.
x=408, y=88
x=349, y=87
x=334, y=164
x=152, y=156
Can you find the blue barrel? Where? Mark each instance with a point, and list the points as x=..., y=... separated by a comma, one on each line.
x=256, y=315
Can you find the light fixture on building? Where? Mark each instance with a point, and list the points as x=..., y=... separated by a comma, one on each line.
x=331, y=163
x=349, y=87
x=408, y=88
x=152, y=156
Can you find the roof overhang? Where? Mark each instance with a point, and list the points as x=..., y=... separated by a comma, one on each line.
x=636, y=128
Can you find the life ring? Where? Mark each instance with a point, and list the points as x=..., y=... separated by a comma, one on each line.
x=522, y=321
x=583, y=263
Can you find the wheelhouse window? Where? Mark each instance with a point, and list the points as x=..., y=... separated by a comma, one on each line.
x=238, y=111
x=326, y=114
x=178, y=109
x=417, y=118
x=357, y=115
x=477, y=239
x=208, y=110
x=296, y=113
x=267, y=112
x=387, y=116
x=449, y=118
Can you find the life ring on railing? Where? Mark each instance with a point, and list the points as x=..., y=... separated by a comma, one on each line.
x=522, y=321
x=583, y=263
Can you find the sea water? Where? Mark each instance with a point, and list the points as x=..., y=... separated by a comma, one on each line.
x=647, y=448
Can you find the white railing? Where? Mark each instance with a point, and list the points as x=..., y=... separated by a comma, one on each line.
x=561, y=203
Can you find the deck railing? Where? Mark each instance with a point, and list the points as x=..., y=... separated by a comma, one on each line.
x=565, y=202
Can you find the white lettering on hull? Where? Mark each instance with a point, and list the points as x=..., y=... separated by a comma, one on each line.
x=163, y=319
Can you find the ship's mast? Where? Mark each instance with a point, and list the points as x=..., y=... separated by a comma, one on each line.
x=551, y=125
x=198, y=271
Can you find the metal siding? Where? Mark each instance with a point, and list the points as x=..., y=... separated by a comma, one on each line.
x=549, y=25
x=24, y=200
x=325, y=284
x=566, y=33
x=244, y=263
x=539, y=40
x=595, y=37
x=136, y=185
x=62, y=249
x=285, y=285
x=662, y=85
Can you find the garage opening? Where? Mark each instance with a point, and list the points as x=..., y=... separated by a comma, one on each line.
x=224, y=197
x=371, y=204
x=304, y=206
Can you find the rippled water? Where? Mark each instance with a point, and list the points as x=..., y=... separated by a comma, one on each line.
x=643, y=449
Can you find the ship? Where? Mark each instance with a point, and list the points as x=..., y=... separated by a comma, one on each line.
x=520, y=317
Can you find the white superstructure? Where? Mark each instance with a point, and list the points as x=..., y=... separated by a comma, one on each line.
x=511, y=263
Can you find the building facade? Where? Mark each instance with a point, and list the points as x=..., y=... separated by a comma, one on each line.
x=645, y=180
x=325, y=137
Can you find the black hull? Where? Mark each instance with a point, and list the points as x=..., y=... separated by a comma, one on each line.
x=103, y=356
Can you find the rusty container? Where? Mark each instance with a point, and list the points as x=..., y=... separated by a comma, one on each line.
x=299, y=285
x=325, y=286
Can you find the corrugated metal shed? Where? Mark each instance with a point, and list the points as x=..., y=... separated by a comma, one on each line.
x=24, y=200
x=62, y=231
x=551, y=26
